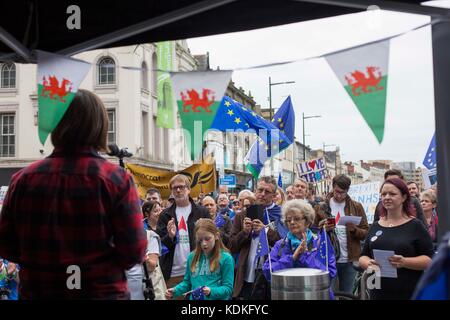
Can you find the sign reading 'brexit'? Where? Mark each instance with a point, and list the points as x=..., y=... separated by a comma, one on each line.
x=314, y=170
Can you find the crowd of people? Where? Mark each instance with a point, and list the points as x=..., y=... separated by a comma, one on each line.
x=75, y=208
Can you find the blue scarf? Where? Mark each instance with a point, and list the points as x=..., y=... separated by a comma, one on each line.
x=295, y=242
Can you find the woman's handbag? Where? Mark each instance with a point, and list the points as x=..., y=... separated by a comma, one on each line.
x=159, y=284
x=157, y=277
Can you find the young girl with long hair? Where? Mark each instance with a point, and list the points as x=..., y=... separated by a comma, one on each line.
x=209, y=268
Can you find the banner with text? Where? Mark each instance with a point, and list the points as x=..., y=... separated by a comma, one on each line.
x=368, y=194
x=314, y=170
x=202, y=176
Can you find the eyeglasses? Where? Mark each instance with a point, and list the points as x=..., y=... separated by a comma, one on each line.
x=340, y=192
x=235, y=202
x=295, y=219
x=174, y=188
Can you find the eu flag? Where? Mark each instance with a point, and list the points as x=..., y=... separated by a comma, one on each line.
x=284, y=120
x=232, y=115
x=263, y=244
x=219, y=221
x=430, y=158
x=280, y=180
x=164, y=249
x=325, y=250
x=198, y=294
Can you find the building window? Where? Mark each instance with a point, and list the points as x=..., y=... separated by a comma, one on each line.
x=106, y=71
x=112, y=126
x=144, y=76
x=8, y=75
x=7, y=135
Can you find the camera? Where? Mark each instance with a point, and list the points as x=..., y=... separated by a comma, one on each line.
x=119, y=153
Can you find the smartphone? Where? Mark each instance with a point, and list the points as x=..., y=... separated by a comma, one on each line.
x=255, y=212
x=331, y=221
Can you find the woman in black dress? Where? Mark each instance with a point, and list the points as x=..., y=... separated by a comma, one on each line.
x=397, y=230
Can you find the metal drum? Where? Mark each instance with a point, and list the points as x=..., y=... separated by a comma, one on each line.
x=300, y=284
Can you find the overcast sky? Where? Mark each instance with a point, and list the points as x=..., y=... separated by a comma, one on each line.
x=409, y=123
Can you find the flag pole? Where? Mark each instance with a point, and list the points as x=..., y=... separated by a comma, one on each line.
x=268, y=255
x=326, y=248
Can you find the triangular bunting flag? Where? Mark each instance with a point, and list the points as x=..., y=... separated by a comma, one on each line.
x=58, y=80
x=198, y=95
x=363, y=72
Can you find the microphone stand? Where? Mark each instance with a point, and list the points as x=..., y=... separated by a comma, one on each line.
x=149, y=293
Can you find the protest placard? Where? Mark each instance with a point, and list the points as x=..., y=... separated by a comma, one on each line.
x=368, y=194
x=314, y=170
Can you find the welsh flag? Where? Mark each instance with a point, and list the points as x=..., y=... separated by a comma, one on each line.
x=363, y=72
x=58, y=80
x=198, y=96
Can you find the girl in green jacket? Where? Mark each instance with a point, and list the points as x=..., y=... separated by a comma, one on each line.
x=209, y=267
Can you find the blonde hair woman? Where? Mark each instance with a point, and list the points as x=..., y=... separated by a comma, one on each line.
x=209, y=267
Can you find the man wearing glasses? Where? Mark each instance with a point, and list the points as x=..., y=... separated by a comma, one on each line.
x=245, y=237
x=346, y=238
x=176, y=228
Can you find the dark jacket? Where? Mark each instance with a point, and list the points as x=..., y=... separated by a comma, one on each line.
x=225, y=230
x=240, y=244
x=352, y=208
x=197, y=212
x=417, y=206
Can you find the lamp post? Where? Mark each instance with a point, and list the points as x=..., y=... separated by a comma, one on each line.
x=335, y=158
x=270, y=109
x=304, y=146
x=270, y=93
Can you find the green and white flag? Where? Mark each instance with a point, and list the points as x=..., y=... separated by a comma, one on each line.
x=58, y=78
x=198, y=95
x=363, y=72
x=165, y=56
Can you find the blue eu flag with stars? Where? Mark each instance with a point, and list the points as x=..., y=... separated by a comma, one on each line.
x=219, y=221
x=263, y=244
x=284, y=120
x=430, y=158
x=232, y=115
x=325, y=249
x=198, y=294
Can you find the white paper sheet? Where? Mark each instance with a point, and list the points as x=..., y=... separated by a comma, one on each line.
x=387, y=270
x=349, y=219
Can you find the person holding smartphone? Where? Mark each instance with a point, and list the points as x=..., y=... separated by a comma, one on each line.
x=347, y=238
x=244, y=238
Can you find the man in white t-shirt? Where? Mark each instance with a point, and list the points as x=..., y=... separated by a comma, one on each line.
x=176, y=228
x=338, y=204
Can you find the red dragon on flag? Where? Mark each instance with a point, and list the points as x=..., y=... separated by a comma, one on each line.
x=193, y=99
x=52, y=87
x=358, y=79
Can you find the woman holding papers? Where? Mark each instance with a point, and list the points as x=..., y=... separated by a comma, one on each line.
x=300, y=248
x=398, y=247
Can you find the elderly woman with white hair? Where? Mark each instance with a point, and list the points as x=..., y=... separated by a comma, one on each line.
x=299, y=249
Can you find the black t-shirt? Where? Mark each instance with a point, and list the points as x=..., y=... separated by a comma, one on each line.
x=410, y=239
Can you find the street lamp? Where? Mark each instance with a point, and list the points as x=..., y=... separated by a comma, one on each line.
x=335, y=153
x=304, y=146
x=270, y=93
